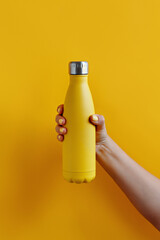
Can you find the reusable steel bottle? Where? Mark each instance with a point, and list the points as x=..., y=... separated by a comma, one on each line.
x=79, y=151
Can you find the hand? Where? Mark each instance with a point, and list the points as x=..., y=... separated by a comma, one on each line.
x=95, y=119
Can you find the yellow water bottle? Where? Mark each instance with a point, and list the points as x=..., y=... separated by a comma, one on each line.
x=78, y=151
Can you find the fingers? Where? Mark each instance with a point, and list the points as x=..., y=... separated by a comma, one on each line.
x=60, y=120
x=60, y=137
x=60, y=109
x=98, y=121
x=61, y=130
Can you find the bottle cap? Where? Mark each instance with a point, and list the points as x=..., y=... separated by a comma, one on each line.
x=78, y=68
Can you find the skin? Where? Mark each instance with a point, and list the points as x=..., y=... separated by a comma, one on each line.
x=141, y=187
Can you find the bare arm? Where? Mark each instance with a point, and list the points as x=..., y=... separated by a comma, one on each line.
x=141, y=187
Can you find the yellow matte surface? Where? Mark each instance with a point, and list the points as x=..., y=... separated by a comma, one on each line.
x=120, y=40
x=79, y=147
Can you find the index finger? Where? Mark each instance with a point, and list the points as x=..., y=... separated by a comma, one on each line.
x=60, y=109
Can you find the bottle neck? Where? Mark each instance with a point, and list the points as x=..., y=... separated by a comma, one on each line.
x=78, y=79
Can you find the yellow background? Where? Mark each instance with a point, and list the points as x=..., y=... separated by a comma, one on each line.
x=120, y=40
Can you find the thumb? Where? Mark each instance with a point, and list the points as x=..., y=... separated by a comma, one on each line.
x=98, y=121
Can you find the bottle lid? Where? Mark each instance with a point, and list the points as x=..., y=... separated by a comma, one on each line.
x=78, y=68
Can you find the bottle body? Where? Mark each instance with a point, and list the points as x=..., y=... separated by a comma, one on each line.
x=78, y=151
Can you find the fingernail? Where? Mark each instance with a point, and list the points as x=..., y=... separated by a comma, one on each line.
x=62, y=130
x=95, y=118
x=58, y=109
x=60, y=121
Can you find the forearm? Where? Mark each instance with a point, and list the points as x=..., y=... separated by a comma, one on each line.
x=140, y=186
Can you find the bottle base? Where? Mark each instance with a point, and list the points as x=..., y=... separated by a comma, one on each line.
x=79, y=177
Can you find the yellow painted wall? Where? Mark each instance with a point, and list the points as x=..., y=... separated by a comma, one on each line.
x=120, y=40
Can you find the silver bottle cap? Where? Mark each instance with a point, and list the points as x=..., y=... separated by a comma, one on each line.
x=78, y=68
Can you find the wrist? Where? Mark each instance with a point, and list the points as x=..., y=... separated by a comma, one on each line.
x=107, y=154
